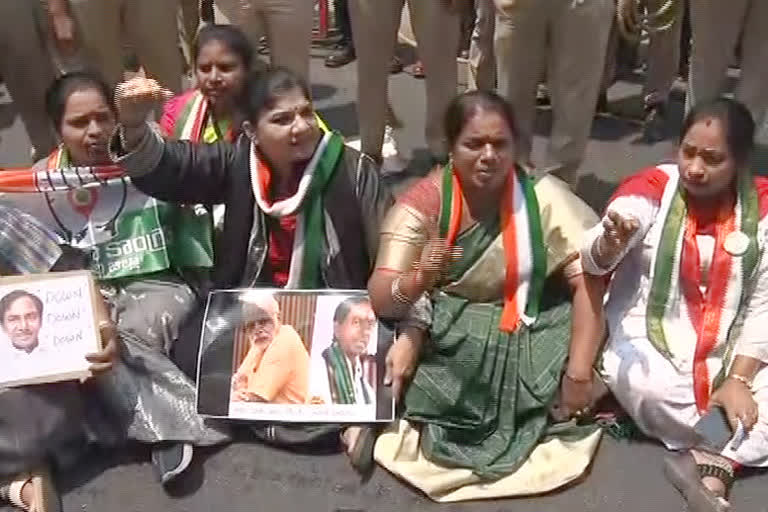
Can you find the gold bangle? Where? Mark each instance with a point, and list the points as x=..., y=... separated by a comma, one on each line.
x=398, y=296
x=577, y=381
x=747, y=382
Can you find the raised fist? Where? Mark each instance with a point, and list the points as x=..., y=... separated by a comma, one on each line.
x=136, y=98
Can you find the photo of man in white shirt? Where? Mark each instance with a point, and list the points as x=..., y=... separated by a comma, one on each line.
x=21, y=317
x=353, y=324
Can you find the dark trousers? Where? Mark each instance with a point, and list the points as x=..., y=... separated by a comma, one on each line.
x=685, y=41
x=343, y=21
x=40, y=424
x=206, y=11
x=186, y=349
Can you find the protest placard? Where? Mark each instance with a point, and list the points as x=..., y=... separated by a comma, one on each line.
x=47, y=326
x=293, y=356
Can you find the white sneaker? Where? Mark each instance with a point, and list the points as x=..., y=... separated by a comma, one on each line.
x=392, y=162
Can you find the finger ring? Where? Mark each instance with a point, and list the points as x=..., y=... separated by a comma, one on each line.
x=104, y=324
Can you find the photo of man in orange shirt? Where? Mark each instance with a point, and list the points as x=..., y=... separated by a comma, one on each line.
x=276, y=368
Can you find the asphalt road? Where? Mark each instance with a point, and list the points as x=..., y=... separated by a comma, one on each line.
x=250, y=477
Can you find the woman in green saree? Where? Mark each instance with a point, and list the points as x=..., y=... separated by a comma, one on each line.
x=481, y=266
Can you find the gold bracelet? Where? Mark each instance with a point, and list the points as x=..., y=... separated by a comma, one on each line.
x=577, y=381
x=398, y=296
x=747, y=382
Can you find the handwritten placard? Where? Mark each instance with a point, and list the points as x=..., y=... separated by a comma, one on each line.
x=47, y=326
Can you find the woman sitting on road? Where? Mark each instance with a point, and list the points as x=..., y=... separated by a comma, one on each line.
x=497, y=268
x=46, y=423
x=687, y=306
x=145, y=395
x=209, y=112
x=302, y=210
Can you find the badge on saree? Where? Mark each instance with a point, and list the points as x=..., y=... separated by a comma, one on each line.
x=736, y=243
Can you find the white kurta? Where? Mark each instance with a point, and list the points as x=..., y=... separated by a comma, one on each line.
x=657, y=392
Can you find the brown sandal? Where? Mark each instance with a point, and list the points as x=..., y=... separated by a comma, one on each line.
x=682, y=472
x=44, y=495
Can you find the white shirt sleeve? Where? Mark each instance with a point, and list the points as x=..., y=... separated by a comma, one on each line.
x=641, y=209
x=753, y=339
x=318, y=380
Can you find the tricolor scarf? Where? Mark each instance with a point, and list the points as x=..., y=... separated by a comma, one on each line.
x=97, y=209
x=81, y=196
x=57, y=176
x=193, y=119
x=524, y=251
x=676, y=277
x=307, y=202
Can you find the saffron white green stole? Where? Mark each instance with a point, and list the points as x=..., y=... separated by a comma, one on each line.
x=306, y=204
x=524, y=251
x=679, y=314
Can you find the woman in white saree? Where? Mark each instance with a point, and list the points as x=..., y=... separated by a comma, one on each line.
x=688, y=301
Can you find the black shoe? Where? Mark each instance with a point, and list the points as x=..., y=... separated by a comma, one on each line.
x=342, y=55
x=542, y=95
x=263, y=47
x=654, y=124
x=361, y=454
x=170, y=460
x=395, y=66
x=602, y=103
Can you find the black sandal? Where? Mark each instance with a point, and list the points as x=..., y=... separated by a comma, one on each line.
x=683, y=472
x=361, y=453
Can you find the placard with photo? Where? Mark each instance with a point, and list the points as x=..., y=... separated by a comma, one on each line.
x=47, y=326
x=293, y=356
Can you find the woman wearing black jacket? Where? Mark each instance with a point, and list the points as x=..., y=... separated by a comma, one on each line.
x=302, y=209
x=286, y=182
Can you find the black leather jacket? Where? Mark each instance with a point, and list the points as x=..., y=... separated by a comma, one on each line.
x=355, y=201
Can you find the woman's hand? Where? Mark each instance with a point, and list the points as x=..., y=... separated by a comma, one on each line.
x=431, y=266
x=104, y=360
x=618, y=231
x=575, y=396
x=136, y=98
x=737, y=400
x=436, y=257
x=402, y=360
